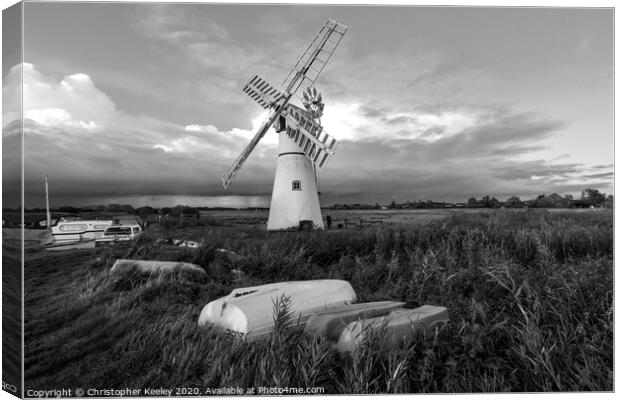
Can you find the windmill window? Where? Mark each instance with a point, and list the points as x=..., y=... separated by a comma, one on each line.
x=296, y=185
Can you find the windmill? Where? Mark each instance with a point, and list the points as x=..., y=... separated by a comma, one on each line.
x=303, y=144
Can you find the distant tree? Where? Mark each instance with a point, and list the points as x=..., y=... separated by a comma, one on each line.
x=514, y=202
x=472, y=202
x=609, y=202
x=581, y=203
x=69, y=209
x=540, y=196
x=392, y=204
x=486, y=201
x=114, y=208
x=166, y=210
x=183, y=210
x=146, y=210
x=593, y=196
x=569, y=197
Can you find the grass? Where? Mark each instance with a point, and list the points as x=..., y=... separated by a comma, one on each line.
x=11, y=314
x=530, y=296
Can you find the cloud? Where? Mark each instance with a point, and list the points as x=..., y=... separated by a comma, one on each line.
x=71, y=101
x=383, y=153
x=75, y=134
x=201, y=128
x=486, y=157
x=205, y=44
x=604, y=175
x=57, y=116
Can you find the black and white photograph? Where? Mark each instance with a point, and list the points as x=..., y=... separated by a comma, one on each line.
x=299, y=199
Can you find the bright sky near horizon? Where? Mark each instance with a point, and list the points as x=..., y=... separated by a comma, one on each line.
x=439, y=103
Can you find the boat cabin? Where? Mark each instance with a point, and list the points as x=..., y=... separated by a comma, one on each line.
x=68, y=231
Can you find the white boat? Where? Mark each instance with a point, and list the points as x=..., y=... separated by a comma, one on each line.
x=78, y=231
x=68, y=234
x=247, y=313
x=400, y=324
x=331, y=322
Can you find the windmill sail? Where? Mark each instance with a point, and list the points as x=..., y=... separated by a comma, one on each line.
x=262, y=92
x=317, y=144
x=314, y=142
x=310, y=65
x=232, y=171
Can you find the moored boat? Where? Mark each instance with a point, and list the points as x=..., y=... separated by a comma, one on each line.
x=78, y=230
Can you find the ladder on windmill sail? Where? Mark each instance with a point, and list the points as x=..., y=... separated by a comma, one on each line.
x=310, y=65
x=315, y=143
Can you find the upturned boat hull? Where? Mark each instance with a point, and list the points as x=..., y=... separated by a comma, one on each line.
x=400, y=324
x=248, y=313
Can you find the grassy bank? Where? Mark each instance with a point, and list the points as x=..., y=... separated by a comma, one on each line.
x=530, y=296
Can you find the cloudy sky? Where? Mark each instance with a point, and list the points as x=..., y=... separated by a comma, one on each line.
x=130, y=100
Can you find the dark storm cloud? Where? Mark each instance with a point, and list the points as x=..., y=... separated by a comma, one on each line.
x=129, y=167
x=480, y=160
x=501, y=134
x=436, y=103
x=508, y=130
x=141, y=155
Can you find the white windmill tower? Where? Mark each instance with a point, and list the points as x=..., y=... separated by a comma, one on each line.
x=303, y=144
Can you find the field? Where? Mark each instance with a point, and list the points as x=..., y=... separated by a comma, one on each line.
x=530, y=296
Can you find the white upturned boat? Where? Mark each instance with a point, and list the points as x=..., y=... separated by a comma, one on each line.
x=331, y=322
x=154, y=266
x=247, y=313
x=400, y=324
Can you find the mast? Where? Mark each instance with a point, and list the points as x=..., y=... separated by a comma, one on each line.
x=47, y=205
